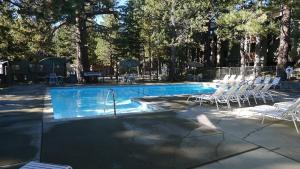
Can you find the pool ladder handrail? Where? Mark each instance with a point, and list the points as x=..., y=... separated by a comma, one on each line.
x=111, y=91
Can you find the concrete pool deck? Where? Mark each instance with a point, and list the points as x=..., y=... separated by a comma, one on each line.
x=185, y=136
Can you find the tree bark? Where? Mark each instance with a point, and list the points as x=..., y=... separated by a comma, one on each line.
x=284, y=45
x=172, y=62
x=219, y=54
x=243, y=49
x=214, y=50
x=111, y=66
x=258, y=51
x=157, y=69
x=264, y=50
x=81, y=48
x=207, y=48
x=224, y=52
x=150, y=66
x=117, y=68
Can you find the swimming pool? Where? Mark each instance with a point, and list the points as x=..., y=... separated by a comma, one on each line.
x=74, y=102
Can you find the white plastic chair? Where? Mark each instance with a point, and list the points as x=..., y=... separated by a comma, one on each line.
x=255, y=91
x=224, y=80
x=263, y=93
x=213, y=97
x=267, y=80
x=250, y=79
x=197, y=96
x=222, y=97
x=276, y=82
x=241, y=95
x=239, y=79
x=285, y=104
x=231, y=79
x=258, y=80
x=278, y=112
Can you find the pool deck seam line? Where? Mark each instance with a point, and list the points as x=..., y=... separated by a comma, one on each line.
x=226, y=157
x=271, y=150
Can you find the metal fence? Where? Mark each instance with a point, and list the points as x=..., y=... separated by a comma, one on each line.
x=208, y=74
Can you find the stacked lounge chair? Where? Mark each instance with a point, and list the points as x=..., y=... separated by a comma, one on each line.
x=245, y=88
x=259, y=88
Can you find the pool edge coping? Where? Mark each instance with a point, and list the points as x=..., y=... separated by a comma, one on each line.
x=48, y=115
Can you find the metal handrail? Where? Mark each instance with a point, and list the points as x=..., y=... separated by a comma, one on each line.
x=111, y=91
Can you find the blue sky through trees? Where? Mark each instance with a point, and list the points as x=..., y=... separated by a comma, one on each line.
x=99, y=18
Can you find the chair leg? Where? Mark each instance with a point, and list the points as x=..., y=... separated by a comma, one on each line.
x=262, y=122
x=248, y=101
x=239, y=101
x=271, y=97
x=294, y=120
x=228, y=105
x=255, y=99
x=264, y=99
x=217, y=104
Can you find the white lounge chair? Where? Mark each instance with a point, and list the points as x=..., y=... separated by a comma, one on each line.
x=196, y=96
x=222, y=97
x=275, y=82
x=241, y=95
x=224, y=80
x=239, y=79
x=258, y=80
x=285, y=104
x=279, y=112
x=264, y=93
x=213, y=97
x=267, y=80
x=250, y=79
x=255, y=91
x=231, y=79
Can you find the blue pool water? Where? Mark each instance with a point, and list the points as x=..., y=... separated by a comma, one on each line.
x=72, y=102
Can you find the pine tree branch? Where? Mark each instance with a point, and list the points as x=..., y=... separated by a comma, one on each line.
x=101, y=12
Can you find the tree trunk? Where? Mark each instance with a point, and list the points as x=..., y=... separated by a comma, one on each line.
x=207, y=48
x=117, y=69
x=264, y=51
x=111, y=66
x=157, y=69
x=243, y=49
x=150, y=68
x=219, y=55
x=144, y=68
x=172, y=63
x=223, y=53
x=258, y=51
x=214, y=52
x=284, y=46
x=81, y=48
